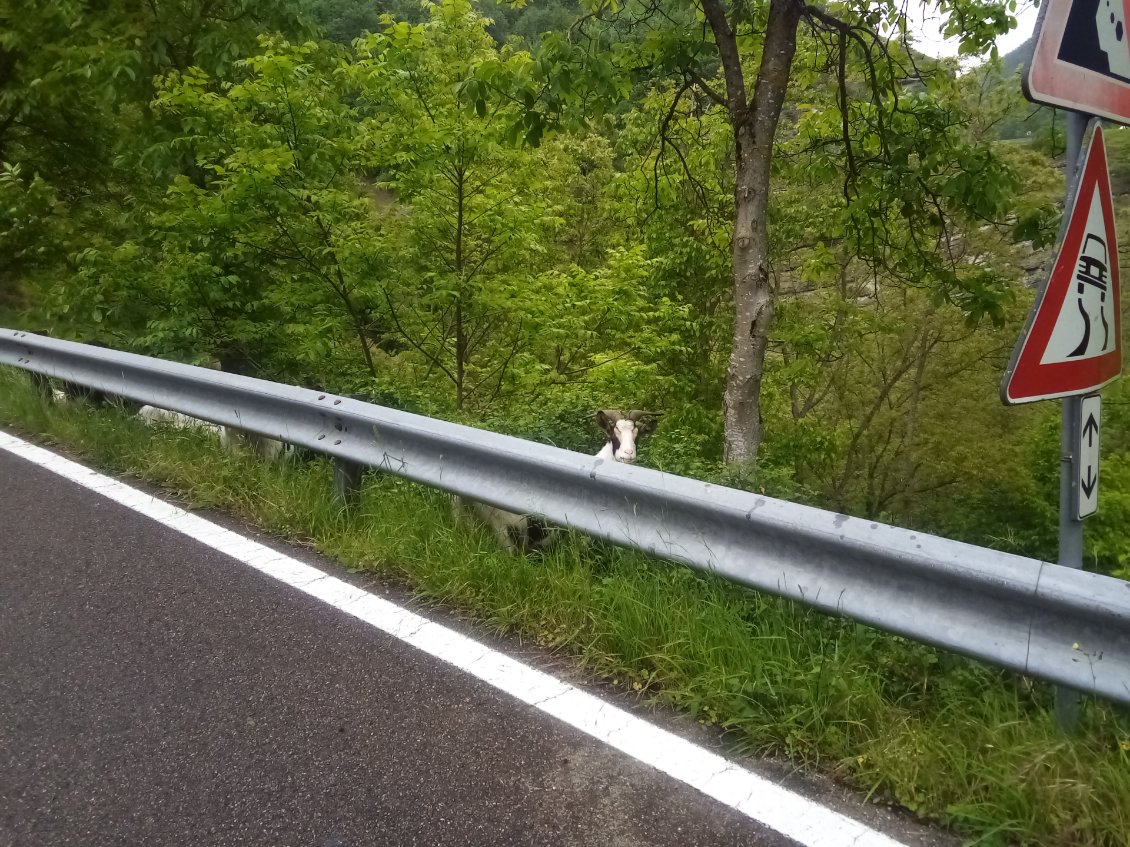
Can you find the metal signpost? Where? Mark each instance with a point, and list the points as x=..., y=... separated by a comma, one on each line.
x=1072, y=345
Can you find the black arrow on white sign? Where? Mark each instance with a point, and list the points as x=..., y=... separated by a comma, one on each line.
x=1091, y=430
x=1085, y=463
x=1088, y=483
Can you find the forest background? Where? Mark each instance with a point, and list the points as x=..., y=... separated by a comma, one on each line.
x=512, y=217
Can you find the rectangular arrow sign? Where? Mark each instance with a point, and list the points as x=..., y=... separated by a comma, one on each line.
x=1087, y=457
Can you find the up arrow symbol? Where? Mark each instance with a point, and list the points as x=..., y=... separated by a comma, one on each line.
x=1089, y=483
x=1091, y=429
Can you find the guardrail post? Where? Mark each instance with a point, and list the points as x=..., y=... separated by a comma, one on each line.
x=347, y=481
x=41, y=385
x=347, y=474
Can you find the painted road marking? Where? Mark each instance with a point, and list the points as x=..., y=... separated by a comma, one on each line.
x=756, y=797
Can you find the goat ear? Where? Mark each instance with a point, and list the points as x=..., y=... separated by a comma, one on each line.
x=645, y=421
x=606, y=420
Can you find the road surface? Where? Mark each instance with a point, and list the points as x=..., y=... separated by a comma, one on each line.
x=156, y=691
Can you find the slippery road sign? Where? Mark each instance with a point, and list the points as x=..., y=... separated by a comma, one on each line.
x=1082, y=57
x=1073, y=341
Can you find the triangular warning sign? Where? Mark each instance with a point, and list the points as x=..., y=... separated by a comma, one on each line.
x=1073, y=341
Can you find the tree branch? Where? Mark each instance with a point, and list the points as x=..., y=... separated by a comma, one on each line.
x=728, y=52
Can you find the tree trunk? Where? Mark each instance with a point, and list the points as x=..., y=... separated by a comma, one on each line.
x=460, y=333
x=460, y=355
x=753, y=306
x=754, y=125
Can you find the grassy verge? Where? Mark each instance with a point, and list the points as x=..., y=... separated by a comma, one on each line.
x=953, y=740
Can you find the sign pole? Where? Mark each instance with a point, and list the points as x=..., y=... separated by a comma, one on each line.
x=1072, y=345
x=1067, y=701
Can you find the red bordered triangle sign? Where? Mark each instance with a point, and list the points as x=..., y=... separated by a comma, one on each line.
x=1073, y=342
x=1081, y=60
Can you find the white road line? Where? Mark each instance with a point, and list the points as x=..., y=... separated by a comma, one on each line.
x=790, y=814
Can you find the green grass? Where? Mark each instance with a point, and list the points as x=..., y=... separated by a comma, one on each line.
x=953, y=740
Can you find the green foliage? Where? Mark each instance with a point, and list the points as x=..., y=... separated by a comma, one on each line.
x=344, y=20
x=472, y=206
x=910, y=725
x=526, y=23
x=474, y=211
x=27, y=207
x=264, y=224
x=392, y=218
x=917, y=180
x=76, y=81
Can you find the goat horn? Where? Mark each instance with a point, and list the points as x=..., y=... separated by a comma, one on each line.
x=636, y=414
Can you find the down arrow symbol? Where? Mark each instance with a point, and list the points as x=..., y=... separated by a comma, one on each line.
x=1090, y=482
x=1091, y=429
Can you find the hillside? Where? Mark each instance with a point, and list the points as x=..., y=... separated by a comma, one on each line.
x=1017, y=59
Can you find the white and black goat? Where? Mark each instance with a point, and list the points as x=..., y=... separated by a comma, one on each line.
x=623, y=432
x=268, y=448
x=524, y=533
x=156, y=416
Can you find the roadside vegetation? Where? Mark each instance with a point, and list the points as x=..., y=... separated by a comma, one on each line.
x=953, y=740
x=808, y=245
x=474, y=218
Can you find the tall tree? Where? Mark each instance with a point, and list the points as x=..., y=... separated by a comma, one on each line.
x=76, y=81
x=739, y=57
x=474, y=206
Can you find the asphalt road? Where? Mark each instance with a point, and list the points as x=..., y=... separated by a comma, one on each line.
x=153, y=691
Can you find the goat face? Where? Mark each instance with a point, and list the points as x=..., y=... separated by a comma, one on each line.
x=623, y=432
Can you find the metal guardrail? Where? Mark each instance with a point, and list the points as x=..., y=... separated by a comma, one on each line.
x=1059, y=624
